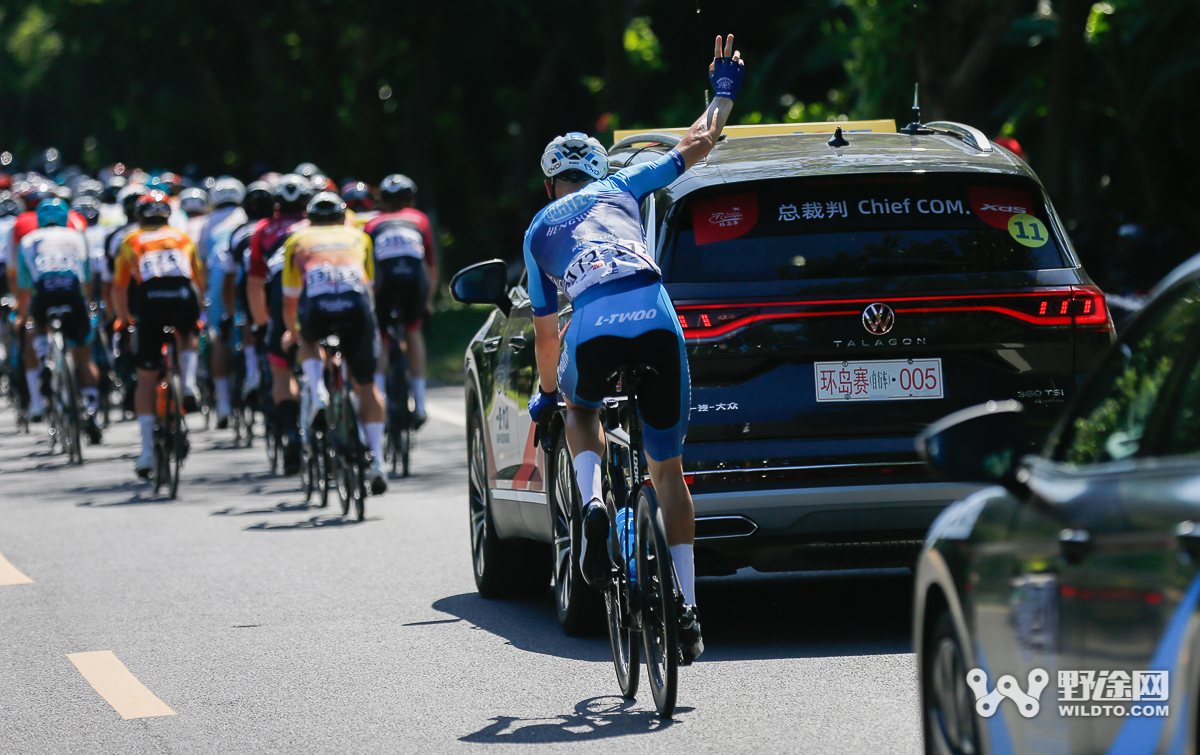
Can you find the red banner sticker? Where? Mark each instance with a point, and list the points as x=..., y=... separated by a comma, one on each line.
x=724, y=218
x=995, y=206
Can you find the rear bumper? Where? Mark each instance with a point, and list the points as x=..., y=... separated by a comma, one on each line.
x=835, y=527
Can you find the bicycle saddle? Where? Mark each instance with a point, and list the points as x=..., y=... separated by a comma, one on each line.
x=629, y=376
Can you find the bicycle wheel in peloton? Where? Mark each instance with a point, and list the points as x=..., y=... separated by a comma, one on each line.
x=72, y=411
x=622, y=635
x=176, y=435
x=658, y=601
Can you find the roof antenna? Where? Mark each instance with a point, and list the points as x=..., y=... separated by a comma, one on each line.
x=915, y=127
x=837, y=140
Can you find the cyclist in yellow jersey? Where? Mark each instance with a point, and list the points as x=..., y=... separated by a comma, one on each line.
x=327, y=274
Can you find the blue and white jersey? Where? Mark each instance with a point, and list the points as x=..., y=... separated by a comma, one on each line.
x=595, y=235
x=213, y=249
x=8, y=251
x=52, y=251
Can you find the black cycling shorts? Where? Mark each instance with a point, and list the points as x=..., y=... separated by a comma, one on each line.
x=163, y=302
x=348, y=316
x=401, y=289
x=60, y=297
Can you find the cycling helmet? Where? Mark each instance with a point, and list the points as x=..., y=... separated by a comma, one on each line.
x=89, y=207
x=63, y=192
x=293, y=190
x=89, y=187
x=322, y=182
x=112, y=188
x=153, y=204
x=327, y=208
x=194, y=201
x=36, y=193
x=397, y=186
x=258, y=202
x=308, y=170
x=10, y=204
x=129, y=196
x=170, y=182
x=358, y=196
x=575, y=151
x=227, y=190
x=53, y=212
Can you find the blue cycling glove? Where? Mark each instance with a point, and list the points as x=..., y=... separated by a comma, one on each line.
x=726, y=77
x=541, y=409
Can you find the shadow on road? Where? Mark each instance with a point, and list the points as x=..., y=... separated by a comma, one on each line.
x=314, y=523
x=284, y=507
x=749, y=616
x=594, y=718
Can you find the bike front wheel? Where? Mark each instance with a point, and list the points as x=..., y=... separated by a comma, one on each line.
x=659, y=602
x=622, y=632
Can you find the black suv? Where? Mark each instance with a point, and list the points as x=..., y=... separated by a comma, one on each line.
x=837, y=295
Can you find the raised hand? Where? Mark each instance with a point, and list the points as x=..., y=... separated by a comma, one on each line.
x=725, y=72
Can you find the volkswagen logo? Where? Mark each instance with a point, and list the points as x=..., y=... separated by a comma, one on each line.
x=878, y=319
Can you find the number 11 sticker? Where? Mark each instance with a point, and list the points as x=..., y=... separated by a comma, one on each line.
x=1027, y=230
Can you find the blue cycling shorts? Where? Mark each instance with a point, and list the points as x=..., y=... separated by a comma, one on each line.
x=631, y=322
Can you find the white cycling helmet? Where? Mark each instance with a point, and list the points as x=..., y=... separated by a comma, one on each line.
x=575, y=151
x=193, y=201
x=227, y=190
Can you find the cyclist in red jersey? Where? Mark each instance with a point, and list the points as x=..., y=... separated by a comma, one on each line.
x=264, y=289
x=406, y=277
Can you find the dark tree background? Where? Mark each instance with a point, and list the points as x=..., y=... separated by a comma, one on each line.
x=462, y=95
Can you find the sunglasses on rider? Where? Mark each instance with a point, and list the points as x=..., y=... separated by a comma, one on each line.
x=573, y=176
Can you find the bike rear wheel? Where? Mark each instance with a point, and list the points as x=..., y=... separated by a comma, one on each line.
x=622, y=632
x=176, y=434
x=72, y=411
x=659, y=601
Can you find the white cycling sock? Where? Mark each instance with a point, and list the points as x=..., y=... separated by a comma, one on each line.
x=146, y=421
x=685, y=569
x=418, y=390
x=314, y=374
x=91, y=397
x=41, y=346
x=223, y=404
x=381, y=383
x=375, y=438
x=587, y=474
x=35, y=394
x=190, y=361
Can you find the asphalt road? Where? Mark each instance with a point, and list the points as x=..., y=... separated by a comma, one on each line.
x=265, y=625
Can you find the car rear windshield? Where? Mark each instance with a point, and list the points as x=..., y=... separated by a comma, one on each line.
x=862, y=227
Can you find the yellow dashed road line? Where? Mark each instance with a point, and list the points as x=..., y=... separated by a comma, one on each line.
x=11, y=575
x=121, y=689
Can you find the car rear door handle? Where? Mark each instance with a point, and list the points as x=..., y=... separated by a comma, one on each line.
x=491, y=344
x=1188, y=535
x=1074, y=544
x=516, y=343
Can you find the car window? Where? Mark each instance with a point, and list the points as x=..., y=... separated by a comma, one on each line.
x=1183, y=437
x=863, y=227
x=1111, y=417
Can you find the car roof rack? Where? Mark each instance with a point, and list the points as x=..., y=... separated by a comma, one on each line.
x=629, y=138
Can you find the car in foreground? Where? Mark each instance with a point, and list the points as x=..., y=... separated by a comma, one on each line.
x=837, y=295
x=1076, y=573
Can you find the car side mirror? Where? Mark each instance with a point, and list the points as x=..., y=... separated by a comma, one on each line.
x=982, y=443
x=482, y=283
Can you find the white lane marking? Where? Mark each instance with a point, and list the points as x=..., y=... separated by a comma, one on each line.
x=118, y=686
x=445, y=415
x=11, y=575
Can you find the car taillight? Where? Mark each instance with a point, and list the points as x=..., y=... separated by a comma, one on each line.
x=1090, y=309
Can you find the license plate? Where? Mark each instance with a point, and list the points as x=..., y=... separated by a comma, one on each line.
x=879, y=380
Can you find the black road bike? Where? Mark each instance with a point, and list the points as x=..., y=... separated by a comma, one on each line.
x=644, y=600
x=400, y=426
x=64, y=410
x=351, y=459
x=170, y=430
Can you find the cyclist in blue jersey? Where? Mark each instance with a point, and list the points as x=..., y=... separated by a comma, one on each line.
x=589, y=244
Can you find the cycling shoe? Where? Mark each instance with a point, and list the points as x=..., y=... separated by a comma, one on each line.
x=378, y=477
x=691, y=644
x=144, y=465
x=595, y=562
x=419, y=417
x=95, y=436
x=291, y=455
